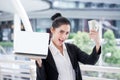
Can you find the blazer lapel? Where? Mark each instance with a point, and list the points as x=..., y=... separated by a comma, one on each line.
x=70, y=56
x=50, y=60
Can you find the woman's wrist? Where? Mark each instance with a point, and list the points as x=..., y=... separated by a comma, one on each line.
x=97, y=46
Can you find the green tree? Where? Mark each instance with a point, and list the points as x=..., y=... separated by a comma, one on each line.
x=109, y=47
x=83, y=41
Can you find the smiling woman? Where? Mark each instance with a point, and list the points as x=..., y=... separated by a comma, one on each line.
x=62, y=60
x=60, y=29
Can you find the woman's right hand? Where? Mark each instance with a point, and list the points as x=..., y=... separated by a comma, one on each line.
x=38, y=60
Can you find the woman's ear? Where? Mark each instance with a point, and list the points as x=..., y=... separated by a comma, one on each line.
x=52, y=29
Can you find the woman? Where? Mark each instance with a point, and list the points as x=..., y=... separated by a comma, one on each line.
x=62, y=60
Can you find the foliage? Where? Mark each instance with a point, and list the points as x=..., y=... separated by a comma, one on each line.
x=82, y=40
x=113, y=76
x=6, y=44
x=71, y=35
x=109, y=47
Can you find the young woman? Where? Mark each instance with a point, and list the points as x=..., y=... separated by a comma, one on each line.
x=62, y=60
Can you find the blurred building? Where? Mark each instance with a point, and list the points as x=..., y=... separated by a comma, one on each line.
x=78, y=12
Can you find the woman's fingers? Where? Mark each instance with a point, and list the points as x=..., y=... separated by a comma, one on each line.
x=39, y=61
x=94, y=35
x=93, y=32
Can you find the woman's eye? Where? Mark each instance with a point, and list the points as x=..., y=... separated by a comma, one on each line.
x=61, y=31
x=67, y=33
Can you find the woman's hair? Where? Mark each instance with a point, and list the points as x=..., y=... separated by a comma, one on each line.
x=58, y=20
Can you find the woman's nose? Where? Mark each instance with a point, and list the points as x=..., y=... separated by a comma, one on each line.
x=64, y=36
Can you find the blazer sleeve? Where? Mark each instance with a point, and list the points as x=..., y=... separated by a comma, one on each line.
x=40, y=72
x=85, y=58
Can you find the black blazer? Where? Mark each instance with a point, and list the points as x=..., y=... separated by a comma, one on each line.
x=48, y=71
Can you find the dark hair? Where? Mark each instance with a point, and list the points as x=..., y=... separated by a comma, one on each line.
x=58, y=20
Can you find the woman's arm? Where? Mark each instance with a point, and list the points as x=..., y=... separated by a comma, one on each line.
x=94, y=56
x=84, y=58
x=40, y=70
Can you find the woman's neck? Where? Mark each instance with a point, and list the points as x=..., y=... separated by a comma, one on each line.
x=60, y=48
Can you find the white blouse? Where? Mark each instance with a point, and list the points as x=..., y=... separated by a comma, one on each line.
x=63, y=63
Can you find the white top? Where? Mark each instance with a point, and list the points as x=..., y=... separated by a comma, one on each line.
x=63, y=63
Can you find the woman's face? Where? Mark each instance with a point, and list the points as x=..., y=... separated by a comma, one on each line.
x=60, y=34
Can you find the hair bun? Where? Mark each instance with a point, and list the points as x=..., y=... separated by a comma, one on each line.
x=56, y=16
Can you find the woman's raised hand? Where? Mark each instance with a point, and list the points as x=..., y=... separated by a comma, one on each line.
x=96, y=37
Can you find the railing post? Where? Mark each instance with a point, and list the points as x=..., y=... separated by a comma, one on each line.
x=32, y=74
x=0, y=74
x=100, y=59
x=32, y=71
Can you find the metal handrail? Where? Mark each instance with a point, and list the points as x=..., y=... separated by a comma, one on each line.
x=3, y=50
x=32, y=71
